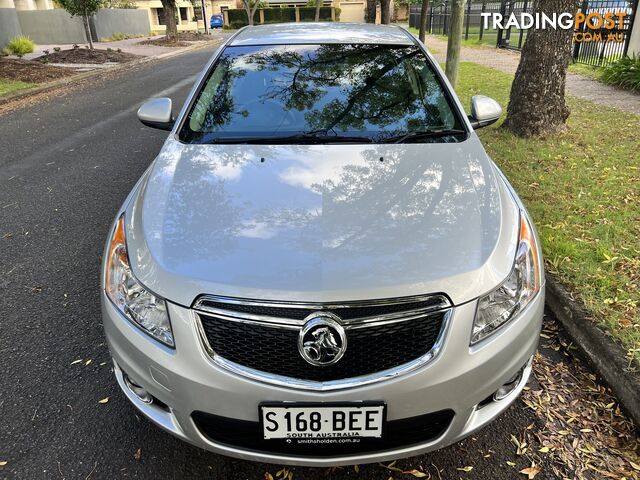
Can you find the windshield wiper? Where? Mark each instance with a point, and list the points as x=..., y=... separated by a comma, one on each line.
x=443, y=132
x=301, y=138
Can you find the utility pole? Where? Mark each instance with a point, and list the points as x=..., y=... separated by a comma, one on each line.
x=204, y=17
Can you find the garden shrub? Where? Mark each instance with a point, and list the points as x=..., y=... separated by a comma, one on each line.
x=279, y=15
x=624, y=73
x=21, y=45
x=238, y=17
x=308, y=14
x=118, y=36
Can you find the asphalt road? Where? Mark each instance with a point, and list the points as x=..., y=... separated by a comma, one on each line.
x=66, y=164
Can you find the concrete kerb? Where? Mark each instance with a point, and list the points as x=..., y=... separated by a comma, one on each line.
x=601, y=352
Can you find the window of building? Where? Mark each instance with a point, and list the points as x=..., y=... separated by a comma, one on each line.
x=184, y=14
x=160, y=16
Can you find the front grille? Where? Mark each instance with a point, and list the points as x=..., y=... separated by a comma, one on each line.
x=397, y=433
x=372, y=347
x=346, y=312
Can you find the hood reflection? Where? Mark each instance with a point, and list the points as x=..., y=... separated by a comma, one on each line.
x=316, y=217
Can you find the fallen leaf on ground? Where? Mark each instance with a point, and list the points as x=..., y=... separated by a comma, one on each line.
x=415, y=473
x=465, y=469
x=76, y=361
x=391, y=467
x=3, y=463
x=138, y=454
x=104, y=400
x=531, y=472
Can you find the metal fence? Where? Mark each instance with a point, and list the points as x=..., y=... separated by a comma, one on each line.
x=439, y=19
x=611, y=44
x=593, y=53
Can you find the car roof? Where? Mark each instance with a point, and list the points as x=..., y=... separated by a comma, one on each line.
x=321, y=32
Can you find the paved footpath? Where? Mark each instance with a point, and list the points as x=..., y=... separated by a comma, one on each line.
x=580, y=86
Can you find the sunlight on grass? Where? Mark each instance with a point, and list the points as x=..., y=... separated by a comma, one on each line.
x=8, y=86
x=582, y=188
x=584, y=69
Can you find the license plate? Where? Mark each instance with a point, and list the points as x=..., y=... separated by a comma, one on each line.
x=312, y=421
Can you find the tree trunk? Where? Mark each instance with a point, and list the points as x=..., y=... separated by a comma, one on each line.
x=169, y=8
x=251, y=11
x=87, y=30
x=318, y=6
x=536, y=104
x=424, y=11
x=385, y=12
x=371, y=11
x=454, y=39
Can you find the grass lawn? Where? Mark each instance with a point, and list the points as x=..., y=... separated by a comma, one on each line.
x=489, y=37
x=585, y=69
x=9, y=86
x=582, y=188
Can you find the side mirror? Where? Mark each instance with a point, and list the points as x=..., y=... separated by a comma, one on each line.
x=156, y=113
x=484, y=111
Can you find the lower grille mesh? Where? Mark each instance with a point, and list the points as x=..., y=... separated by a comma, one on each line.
x=398, y=433
x=371, y=349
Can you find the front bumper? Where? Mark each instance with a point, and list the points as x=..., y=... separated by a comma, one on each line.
x=185, y=380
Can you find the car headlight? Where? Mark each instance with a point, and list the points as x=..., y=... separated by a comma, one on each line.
x=143, y=308
x=523, y=283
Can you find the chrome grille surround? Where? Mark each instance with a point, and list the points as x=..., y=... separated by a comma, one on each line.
x=210, y=305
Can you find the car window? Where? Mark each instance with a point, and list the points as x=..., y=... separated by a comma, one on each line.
x=306, y=92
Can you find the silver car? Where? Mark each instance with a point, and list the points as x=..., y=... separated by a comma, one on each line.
x=322, y=266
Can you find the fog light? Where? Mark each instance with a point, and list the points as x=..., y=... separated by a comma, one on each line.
x=137, y=390
x=509, y=386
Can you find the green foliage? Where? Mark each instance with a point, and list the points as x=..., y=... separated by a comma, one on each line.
x=582, y=188
x=126, y=4
x=238, y=16
x=81, y=7
x=624, y=73
x=21, y=45
x=279, y=15
x=308, y=14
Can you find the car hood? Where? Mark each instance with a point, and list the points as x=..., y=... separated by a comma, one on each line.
x=321, y=223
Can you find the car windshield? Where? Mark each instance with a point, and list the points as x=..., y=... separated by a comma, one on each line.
x=322, y=94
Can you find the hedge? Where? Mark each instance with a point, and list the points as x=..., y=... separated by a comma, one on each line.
x=238, y=16
x=308, y=14
x=278, y=15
